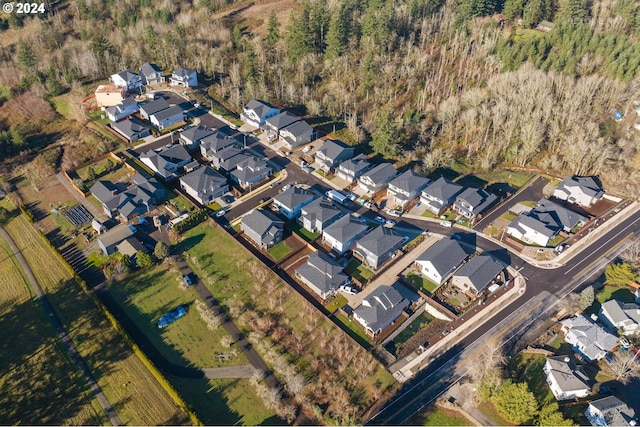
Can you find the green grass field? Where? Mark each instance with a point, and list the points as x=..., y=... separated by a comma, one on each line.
x=420, y=282
x=302, y=232
x=508, y=216
x=437, y=416
x=130, y=387
x=279, y=251
x=34, y=365
x=358, y=271
x=528, y=368
x=337, y=302
x=609, y=292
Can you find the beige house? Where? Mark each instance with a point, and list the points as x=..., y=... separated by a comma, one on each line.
x=109, y=95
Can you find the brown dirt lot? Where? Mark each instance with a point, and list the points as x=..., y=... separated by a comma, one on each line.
x=26, y=106
x=255, y=16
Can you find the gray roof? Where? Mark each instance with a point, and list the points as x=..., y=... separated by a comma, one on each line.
x=174, y=155
x=127, y=74
x=249, y=169
x=444, y=255
x=150, y=185
x=183, y=72
x=320, y=210
x=298, y=128
x=478, y=198
x=345, y=228
x=409, y=181
x=103, y=190
x=587, y=184
x=561, y=215
x=333, y=148
x=217, y=141
x=567, y=374
x=230, y=163
x=262, y=222
x=614, y=410
x=148, y=68
x=154, y=106
x=169, y=112
x=380, y=241
x=594, y=338
x=357, y=164
x=196, y=133
x=381, y=306
x=293, y=197
x=442, y=189
x=116, y=235
x=282, y=120
x=547, y=230
x=129, y=127
x=258, y=106
x=324, y=273
x=619, y=312
x=480, y=270
x=203, y=179
x=381, y=173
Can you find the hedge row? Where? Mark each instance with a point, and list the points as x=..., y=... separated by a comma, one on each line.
x=192, y=220
x=27, y=213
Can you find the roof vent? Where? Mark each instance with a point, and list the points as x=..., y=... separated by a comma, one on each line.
x=594, y=317
x=567, y=359
x=632, y=422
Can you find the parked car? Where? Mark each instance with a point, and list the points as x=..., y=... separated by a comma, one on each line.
x=446, y=224
x=405, y=239
x=221, y=213
x=286, y=187
x=265, y=199
x=234, y=127
x=379, y=220
x=394, y=212
x=348, y=289
x=228, y=198
x=187, y=279
x=171, y=317
x=274, y=184
x=272, y=137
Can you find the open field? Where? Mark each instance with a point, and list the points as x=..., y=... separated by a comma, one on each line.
x=34, y=366
x=135, y=394
x=254, y=298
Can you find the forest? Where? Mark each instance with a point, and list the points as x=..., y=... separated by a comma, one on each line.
x=473, y=85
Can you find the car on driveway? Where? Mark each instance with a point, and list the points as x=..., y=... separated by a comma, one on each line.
x=394, y=212
x=389, y=223
x=265, y=199
x=348, y=289
x=379, y=220
x=446, y=224
x=228, y=198
x=187, y=279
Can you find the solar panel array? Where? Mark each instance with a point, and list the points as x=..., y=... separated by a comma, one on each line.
x=78, y=215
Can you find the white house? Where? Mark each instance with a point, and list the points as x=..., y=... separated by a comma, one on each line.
x=204, y=185
x=256, y=112
x=587, y=338
x=380, y=309
x=351, y=169
x=291, y=202
x=581, y=190
x=343, y=233
x=297, y=133
x=439, y=195
x=125, y=108
x=624, y=317
x=440, y=261
x=321, y=274
x=184, y=77
x=566, y=379
x=377, y=178
x=531, y=230
x=610, y=411
x=167, y=118
x=406, y=187
x=128, y=79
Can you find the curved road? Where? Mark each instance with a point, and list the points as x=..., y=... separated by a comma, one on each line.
x=62, y=333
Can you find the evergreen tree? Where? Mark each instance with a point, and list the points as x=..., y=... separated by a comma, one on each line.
x=532, y=14
x=143, y=260
x=4, y=216
x=273, y=29
x=515, y=402
x=550, y=415
x=573, y=11
x=298, y=37
x=385, y=135
x=338, y=34
x=619, y=274
x=91, y=173
x=26, y=57
x=513, y=9
x=161, y=250
x=318, y=24
x=587, y=296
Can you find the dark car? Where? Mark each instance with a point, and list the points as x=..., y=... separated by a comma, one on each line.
x=187, y=279
x=228, y=198
x=265, y=199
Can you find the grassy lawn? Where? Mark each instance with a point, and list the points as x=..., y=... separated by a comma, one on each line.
x=421, y=283
x=136, y=394
x=428, y=214
x=279, y=251
x=490, y=412
x=355, y=331
x=515, y=179
x=245, y=288
x=437, y=416
x=555, y=241
x=337, y=302
x=529, y=203
x=302, y=232
x=34, y=365
x=215, y=206
x=528, y=368
x=410, y=330
x=450, y=215
x=324, y=175
x=357, y=270
x=117, y=174
x=605, y=294
x=508, y=216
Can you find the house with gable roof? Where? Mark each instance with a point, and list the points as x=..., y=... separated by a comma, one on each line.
x=532, y=230
x=249, y=172
x=125, y=108
x=321, y=274
x=609, y=412
x=478, y=273
x=167, y=118
x=131, y=129
x=297, y=133
x=192, y=136
x=380, y=309
x=262, y=228
x=318, y=215
x=619, y=316
x=150, y=74
x=291, y=202
x=581, y=190
x=204, y=185
x=150, y=108
x=566, y=219
x=128, y=79
x=280, y=121
x=166, y=161
x=350, y=170
x=184, y=77
x=591, y=341
x=440, y=260
x=406, y=187
x=376, y=247
x=332, y=153
x=256, y=112
x=439, y=195
x=377, y=178
x=212, y=144
x=566, y=379
x=473, y=202
x=343, y=233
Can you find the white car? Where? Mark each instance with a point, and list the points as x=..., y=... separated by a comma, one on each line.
x=379, y=220
x=272, y=137
x=221, y=213
x=286, y=187
x=307, y=148
x=348, y=289
x=390, y=223
x=394, y=212
x=446, y=224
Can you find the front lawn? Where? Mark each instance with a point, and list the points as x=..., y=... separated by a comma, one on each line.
x=515, y=179
x=428, y=214
x=279, y=251
x=324, y=175
x=421, y=283
x=358, y=271
x=508, y=216
x=555, y=241
x=438, y=416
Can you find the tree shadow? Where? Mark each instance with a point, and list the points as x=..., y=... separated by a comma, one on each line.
x=471, y=181
x=448, y=173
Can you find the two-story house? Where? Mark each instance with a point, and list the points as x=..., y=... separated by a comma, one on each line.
x=128, y=79
x=250, y=172
x=377, y=178
x=153, y=107
x=167, y=118
x=218, y=141
x=131, y=129
x=318, y=215
x=184, y=77
x=262, y=228
x=280, y=121
x=609, y=412
x=192, y=136
x=321, y=274
x=481, y=271
x=167, y=161
x=439, y=195
x=406, y=187
x=332, y=153
x=343, y=233
x=204, y=185
x=296, y=134
x=151, y=74
x=256, y=112
x=376, y=247
x=473, y=202
x=125, y=108
x=380, y=309
x=566, y=379
x=592, y=341
x=291, y=202
x=441, y=259
x=532, y=230
x=350, y=170
x=581, y=190
x=619, y=316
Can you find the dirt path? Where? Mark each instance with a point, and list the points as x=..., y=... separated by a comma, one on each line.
x=62, y=333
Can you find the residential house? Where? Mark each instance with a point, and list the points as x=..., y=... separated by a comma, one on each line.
x=350, y=170
x=473, y=202
x=128, y=79
x=441, y=259
x=166, y=161
x=150, y=74
x=204, y=185
x=406, y=187
x=377, y=178
x=229, y=159
x=149, y=185
x=592, y=341
x=609, y=412
x=619, y=316
x=193, y=136
x=378, y=246
x=167, y=118
x=296, y=134
x=130, y=247
x=439, y=195
x=125, y=108
x=136, y=199
x=581, y=190
x=131, y=129
x=566, y=379
x=184, y=77
x=291, y=202
x=332, y=153
x=263, y=228
x=256, y=112
x=279, y=121
x=250, y=172
x=323, y=275
x=566, y=219
x=153, y=107
x=109, y=95
x=109, y=241
x=380, y=309
x=477, y=274
x=212, y=144
x=318, y=215
x=532, y=230
x=343, y=233
x=104, y=191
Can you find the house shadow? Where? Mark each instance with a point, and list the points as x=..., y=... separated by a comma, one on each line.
x=471, y=181
x=500, y=254
x=501, y=189
x=447, y=173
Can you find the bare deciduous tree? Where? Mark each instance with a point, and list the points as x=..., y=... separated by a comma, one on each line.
x=625, y=366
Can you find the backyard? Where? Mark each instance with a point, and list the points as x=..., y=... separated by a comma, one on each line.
x=358, y=271
x=421, y=283
x=279, y=251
